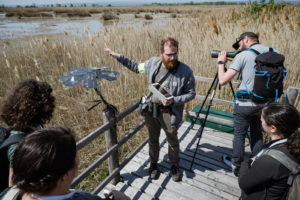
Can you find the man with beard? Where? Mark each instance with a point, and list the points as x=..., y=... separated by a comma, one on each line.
x=246, y=112
x=176, y=79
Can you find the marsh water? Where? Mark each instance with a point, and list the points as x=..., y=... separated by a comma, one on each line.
x=13, y=27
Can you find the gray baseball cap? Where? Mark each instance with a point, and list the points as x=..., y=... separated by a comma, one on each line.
x=242, y=36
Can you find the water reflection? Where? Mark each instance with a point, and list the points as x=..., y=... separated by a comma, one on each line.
x=10, y=28
x=18, y=28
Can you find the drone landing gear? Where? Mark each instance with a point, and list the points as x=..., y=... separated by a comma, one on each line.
x=108, y=105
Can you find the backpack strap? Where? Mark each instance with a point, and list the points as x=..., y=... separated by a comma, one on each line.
x=11, y=194
x=254, y=51
x=257, y=53
x=11, y=140
x=281, y=157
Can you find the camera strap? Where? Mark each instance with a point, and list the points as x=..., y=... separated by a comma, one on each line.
x=159, y=82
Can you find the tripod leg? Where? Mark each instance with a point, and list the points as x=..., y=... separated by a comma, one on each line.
x=204, y=122
x=231, y=87
x=199, y=112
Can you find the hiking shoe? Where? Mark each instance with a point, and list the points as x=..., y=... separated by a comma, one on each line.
x=227, y=161
x=153, y=171
x=175, y=173
x=235, y=169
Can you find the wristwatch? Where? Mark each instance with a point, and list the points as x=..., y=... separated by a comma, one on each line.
x=220, y=62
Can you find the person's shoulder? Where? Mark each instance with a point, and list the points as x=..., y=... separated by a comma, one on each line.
x=184, y=66
x=82, y=195
x=261, y=48
x=154, y=59
x=284, y=149
x=246, y=53
x=153, y=62
x=269, y=160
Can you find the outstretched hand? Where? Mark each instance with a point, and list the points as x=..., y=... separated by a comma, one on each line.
x=112, y=53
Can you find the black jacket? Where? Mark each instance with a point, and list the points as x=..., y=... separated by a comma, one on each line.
x=266, y=178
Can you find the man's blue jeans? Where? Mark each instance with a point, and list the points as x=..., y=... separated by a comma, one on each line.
x=245, y=117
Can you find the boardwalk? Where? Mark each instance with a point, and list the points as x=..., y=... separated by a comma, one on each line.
x=209, y=178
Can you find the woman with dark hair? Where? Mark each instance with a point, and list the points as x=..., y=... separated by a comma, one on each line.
x=45, y=164
x=27, y=108
x=264, y=177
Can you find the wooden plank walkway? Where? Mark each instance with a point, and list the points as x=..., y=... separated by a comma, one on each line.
x=209, y=178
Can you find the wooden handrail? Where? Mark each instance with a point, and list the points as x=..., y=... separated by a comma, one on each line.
x=103, y=157
x=210, y=80
x=220, y=101
x=86, y=140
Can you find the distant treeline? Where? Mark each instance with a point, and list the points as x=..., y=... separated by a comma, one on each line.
x=199, y=3
x=110, y=5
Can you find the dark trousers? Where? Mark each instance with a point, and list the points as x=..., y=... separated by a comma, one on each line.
x=154, y=125
x=245, y=117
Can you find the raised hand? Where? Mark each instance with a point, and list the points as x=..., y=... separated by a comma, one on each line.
x=112, y=53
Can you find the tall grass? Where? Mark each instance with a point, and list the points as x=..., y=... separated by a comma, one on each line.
x=202, y=30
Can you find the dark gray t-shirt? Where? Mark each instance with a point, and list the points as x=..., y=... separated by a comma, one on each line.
x=165, y=86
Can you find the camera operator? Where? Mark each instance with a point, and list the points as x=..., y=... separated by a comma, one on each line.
x=178, y=80
x=246, y=112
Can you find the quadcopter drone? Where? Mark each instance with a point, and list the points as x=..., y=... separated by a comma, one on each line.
x=89, y=77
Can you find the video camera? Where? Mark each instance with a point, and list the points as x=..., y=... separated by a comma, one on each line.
x=232, y=54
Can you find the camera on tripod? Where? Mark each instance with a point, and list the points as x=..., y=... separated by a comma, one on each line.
x=232, y=54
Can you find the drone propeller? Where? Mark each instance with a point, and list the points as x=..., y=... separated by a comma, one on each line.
x=71, y=81
x=89, y=77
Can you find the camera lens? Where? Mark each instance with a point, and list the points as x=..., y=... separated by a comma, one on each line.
x=215, y=53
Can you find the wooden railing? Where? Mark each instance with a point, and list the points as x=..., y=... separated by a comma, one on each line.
x=114, y=169
x=109, y=129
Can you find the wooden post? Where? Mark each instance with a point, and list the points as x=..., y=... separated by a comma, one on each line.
x=111, y=139
x=291, y=95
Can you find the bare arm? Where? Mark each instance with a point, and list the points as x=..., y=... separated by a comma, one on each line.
x=112, y=53
x=224, y=76
x=127, y=62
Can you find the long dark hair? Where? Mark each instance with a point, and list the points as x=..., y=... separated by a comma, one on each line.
x=283, y=116
x=293, y=145
x=42, y=158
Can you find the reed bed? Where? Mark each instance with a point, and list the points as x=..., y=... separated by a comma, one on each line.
x=202, y=30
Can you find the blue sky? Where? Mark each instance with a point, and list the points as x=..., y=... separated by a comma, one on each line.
x=103, y=2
